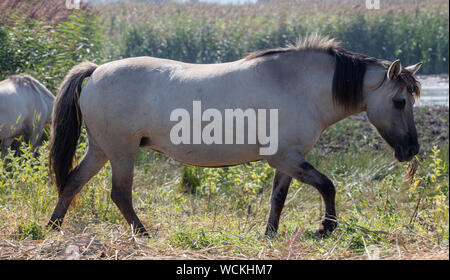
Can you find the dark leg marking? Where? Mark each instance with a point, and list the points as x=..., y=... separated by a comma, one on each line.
x=327, y=190
x=306, y=166
x=121, y=193
x=280, y=189
x=303, y=171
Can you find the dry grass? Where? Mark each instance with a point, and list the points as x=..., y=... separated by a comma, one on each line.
x=184, y=226
x=117, y=243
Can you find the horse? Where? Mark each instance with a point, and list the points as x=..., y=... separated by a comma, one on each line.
x=126, y=104
x=25, y=108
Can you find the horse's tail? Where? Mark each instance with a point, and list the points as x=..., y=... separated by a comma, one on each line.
x=66, y=124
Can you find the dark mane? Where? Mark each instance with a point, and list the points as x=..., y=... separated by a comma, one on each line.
x=348, y=79
x=349, y=72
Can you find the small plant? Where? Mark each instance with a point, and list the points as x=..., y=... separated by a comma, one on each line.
x=191, y=179
x=193, y=238
x=31, y=230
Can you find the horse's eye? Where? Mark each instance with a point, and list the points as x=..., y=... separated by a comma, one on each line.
x=399, y=103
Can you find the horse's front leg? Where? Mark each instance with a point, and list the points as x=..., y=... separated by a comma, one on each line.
x=280, y=189
x=296, y=166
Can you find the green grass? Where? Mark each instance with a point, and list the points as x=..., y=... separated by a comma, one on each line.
x=379, y=207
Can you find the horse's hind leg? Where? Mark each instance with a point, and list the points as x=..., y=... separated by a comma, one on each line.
x=280, y=189
x=121, y=193
x=91, y=164
x=34, y=135
x=35, y=142
x=6, y=143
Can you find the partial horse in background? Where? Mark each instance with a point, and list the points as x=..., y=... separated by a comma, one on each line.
x=25, y=108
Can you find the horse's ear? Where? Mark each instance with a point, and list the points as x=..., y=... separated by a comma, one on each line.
x=394, y=70
x=414, y=68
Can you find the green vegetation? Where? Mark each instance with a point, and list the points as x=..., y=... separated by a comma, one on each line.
x=212, y=33
x=46, y=43
x=48, y=50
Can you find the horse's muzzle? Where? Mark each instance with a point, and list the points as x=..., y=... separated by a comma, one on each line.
x=407, y=151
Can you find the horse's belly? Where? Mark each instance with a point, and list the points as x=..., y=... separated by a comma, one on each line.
x=214, y=155
x=11, y=123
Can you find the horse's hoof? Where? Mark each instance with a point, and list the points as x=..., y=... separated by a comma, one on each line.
x=325, y=229
x=269, y=237
x=270, y=234
x=141, y=232
x=322, y=234
x=54, y=225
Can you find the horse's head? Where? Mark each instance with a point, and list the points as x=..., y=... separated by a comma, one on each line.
x=389, y=108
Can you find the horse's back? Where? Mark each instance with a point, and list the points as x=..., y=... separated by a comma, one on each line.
x=144, y=87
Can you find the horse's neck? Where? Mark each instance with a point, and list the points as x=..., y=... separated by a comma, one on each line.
x=338, y=115
x=373, y=78
x=329, y=113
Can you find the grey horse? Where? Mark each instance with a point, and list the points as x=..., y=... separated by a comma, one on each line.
x=127, y=104
x=25, y=107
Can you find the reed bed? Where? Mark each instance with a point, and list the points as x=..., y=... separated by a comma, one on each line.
x=211, y=33
x=49, y=11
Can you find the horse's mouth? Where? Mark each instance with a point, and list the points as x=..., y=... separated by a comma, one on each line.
x=404, y=150
x=406, y=153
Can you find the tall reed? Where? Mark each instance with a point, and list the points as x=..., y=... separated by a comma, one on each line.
x=208, y=33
